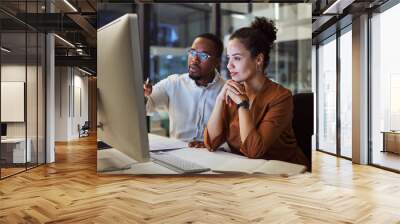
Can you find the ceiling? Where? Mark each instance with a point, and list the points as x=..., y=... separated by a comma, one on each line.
x=74, y=21
x=331, y=15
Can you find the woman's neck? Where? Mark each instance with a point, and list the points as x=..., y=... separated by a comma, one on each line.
x=254, y=84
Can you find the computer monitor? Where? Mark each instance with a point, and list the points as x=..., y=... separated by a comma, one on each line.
x=3, y=130
x=121, y=107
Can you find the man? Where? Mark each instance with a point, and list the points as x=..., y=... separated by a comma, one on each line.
x=189, y=98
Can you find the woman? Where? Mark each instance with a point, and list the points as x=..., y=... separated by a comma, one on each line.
x=252, y=113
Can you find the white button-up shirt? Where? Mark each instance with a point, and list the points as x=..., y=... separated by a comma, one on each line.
x=189, y=106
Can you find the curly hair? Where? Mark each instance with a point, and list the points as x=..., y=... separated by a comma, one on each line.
x=258, y=38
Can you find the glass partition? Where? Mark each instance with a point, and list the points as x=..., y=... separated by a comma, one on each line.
x=22, y=90
x=385, y=89
x=31, y=100
x=173, y=28
x=13, y=108
x=346, y=93
x=327, y=96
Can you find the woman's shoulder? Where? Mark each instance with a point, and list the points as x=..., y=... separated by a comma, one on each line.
x=275, y=92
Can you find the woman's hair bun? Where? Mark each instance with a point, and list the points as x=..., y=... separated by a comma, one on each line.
x=266, y=27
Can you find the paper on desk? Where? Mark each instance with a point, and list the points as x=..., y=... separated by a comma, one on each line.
x=203, y=157
x=226, y=162
x=158, y=143
x=145, y=168
x=260, y=166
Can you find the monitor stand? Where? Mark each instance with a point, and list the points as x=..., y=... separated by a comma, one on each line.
x=113, y=160
x=111, y=164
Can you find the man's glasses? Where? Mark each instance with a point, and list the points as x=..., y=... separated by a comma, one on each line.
x=203, y=56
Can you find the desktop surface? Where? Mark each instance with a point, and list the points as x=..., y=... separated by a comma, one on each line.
x=215, y=161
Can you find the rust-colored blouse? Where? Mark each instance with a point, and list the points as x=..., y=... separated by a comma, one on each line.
x=273, y=136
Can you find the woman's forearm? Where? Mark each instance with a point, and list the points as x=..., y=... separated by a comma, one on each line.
x=245, y=123
x=215, y=123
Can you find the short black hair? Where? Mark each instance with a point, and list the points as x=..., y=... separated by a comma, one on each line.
x=217, y=41
x=258, y=38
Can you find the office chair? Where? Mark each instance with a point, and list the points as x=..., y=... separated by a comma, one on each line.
x=84, y=130
x=303, y=122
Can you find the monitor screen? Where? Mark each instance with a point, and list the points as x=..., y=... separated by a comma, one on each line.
x=121, y=108
x=3, y=129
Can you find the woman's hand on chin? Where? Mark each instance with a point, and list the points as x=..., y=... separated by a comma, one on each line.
x=237, y=94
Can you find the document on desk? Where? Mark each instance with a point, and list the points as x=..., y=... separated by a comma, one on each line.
x=203, y=157
x=160, y=143
x=225, y=162
x=145, y=168
x=260, y=166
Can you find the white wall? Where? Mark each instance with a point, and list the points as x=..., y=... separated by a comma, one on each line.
x=16, y=73
x=9, y=73
x=33, y=126
x=71, y=102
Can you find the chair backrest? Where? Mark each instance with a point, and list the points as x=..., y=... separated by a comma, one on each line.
x=86, y=125
x=303, y=122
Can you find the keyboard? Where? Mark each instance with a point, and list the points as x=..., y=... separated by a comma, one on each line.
x=177, y=164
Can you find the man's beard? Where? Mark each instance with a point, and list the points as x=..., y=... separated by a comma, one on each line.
x=194, y=77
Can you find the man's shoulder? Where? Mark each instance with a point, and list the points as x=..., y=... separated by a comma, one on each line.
x=173, y=79
x=179, y=77
x=220, y=82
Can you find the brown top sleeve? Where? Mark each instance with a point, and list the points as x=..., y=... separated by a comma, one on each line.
x=213, y=144
x=274, y=122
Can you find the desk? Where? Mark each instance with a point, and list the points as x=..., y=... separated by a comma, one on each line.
x=391, y=141
x=13, y=150
x=203, y=157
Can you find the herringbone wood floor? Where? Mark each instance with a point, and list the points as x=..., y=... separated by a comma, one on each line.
x=70, y=191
